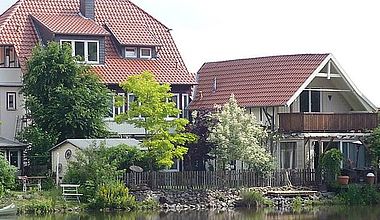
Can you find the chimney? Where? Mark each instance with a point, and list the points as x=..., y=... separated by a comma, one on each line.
x=87, y=8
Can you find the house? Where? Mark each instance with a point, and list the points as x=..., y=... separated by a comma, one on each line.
x=66, y=151
x=308, y=100
x=116, y=38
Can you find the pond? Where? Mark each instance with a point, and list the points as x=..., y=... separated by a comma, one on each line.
x=321, y=213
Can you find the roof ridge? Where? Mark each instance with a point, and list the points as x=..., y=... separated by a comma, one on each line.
x=272, y=56
x=142, y=10
x=12, y=10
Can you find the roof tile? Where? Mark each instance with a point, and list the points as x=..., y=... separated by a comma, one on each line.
x=131, y=25
x=74, y=24
x=262, y=81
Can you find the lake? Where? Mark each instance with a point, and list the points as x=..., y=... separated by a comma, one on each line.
x=321, y=213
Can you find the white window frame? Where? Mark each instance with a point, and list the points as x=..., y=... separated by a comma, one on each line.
x=128, y=103
x=146, y=57
x=131, y=56
x=85, y=49
x=168, y=117
x=176, y=162
x=121, y=109
x=184, y=105
x=11, y=96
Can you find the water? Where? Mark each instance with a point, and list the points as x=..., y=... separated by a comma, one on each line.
x=326, y=213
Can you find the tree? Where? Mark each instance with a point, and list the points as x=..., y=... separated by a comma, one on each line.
x=238, y=136
x=38, y=154
x=198, y=152
x=374, y=146
x=7, y=175
x=64, y=97
x=152, y=110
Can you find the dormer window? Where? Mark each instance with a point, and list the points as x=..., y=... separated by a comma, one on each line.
x=146, y=53
x=86, y=50
x=131, y=52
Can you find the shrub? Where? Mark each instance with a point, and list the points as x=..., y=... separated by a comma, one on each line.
x=359, y=195
x=297, y=204
x=330, y=164
x=38, y=206
x=7, y=175
x=114, y=196
x=251, y=198
x=92, y=169
x=148, y=204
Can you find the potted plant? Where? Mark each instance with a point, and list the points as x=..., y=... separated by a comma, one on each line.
x=330, y=164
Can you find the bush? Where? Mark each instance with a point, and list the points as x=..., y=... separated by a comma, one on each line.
x=148, y=204
x=114, y=196
x=38, y=206
x=359, y=195
x=7, y=175
x=252, y=198
x=330, y=164
x=92, y=169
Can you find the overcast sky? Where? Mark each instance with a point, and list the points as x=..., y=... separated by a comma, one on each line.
x=212, y=30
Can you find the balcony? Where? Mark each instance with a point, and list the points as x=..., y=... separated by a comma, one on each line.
x=10, y=77
x=327, y=122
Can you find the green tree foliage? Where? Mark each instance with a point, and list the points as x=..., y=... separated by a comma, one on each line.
x=63, y=96
x=374, y=145
x=42, y=141
x=92, y=168
x=238, y=136
x=166, y=138
x=330, y=164
x=124, y=156
x=7, y=175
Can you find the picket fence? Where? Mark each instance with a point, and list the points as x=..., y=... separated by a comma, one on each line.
x=220, y=179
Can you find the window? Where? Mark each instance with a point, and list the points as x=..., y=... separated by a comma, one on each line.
x=14, y=158
x=175, y=167
x=288, y=155
x=131, y=52
x=354, y=155
x=310, y=101
x=116, y=109
x=146, y=53
x=86, y=51
x=185, y=103
x=93, y=52
x=11, y=101
x=79, y=50
x=8, y=57
x=131, y=98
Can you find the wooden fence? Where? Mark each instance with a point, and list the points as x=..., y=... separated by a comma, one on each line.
x=219, y=179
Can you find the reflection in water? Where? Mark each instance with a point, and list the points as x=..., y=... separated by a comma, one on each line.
x=327, y=213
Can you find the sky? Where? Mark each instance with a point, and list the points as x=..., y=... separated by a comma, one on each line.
x=214, y=30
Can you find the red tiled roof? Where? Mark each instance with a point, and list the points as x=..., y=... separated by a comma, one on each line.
x=70, y=24
x=16, y=28
x=263, y=81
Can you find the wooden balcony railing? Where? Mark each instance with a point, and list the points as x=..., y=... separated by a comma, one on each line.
x=327, y=122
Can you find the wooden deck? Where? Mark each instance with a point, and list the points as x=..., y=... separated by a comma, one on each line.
x=301, y=193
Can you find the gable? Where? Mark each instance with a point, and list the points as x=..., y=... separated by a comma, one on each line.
x=330, y=77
